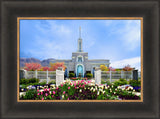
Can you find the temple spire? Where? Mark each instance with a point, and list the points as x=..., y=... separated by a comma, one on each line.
x=80, y=41
x=80, y=32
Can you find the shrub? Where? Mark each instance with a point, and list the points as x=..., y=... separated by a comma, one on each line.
x=33, y=80
x=29, y=81
x=120, y=82
x=135, y=83
x=43, y=83
x=108, y=82
x=24, y=81
x=103, y=81
x=52, y=82
x=89, y=75
x=71, y=75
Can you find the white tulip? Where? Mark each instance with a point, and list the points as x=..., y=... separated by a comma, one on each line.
x=62, y=96
x=98, y=93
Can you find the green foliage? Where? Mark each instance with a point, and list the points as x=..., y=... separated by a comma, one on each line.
x=71, y=75
x=24, y=81
x=89, y=75
x=52, y=82
x=42, y=83
x=103, y=81
x=108, y=82
x=23, y=86
x=135, y=83
x=33, y=80
x=120, y=82
x=29, y=81
x=30, y=94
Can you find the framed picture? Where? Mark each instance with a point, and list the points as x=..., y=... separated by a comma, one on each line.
x=81, y=79
x=53, y=71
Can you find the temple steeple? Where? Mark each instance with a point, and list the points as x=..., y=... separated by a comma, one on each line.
x=79, y=32
x=79, y=42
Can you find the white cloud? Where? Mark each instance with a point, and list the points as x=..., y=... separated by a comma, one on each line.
x=128, y=31
x=56, y=41
x=133, y=62
x=132, y=35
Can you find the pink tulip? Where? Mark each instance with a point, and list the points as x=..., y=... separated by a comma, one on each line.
x=49, y=89
x=63, y=92
x=85, y=83
x=75, y=84
x=46, y=94
x=41, y=93
x=37, y=90
x=75, y=87
x=42, y=98
x=66, y=95
x=54, y=92
x=68, y=99
x=38, y=93
x=52, y=96
x=70, y=83
x=61, y=85
x=68, y=88
x=57, y=88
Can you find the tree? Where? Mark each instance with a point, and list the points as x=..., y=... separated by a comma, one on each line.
x=112, y=69
x=45, y=68
x=127, y=68
x=32, y=66
x=104, y=68
x=54, y=66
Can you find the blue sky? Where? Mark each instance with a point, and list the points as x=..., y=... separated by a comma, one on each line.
x=116, y=40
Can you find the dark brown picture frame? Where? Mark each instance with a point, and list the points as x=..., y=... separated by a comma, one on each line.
x=11, y=9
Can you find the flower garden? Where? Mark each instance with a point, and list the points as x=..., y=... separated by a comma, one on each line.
x=83, y=89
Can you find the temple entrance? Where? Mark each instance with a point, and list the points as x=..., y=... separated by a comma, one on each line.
x=79, y=71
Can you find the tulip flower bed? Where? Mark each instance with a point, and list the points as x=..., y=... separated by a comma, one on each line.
x=78, y=78
x=80, y=90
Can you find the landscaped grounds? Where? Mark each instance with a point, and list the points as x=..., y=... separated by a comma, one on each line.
x=80, y=90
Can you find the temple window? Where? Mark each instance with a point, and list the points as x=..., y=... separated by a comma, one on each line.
x=79, y=59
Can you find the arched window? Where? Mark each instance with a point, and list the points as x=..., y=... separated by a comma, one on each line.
x=79, y=59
